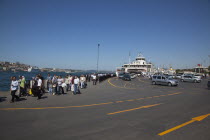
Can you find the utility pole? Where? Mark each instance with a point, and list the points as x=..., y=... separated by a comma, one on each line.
x=98, y=57
x=209, y=60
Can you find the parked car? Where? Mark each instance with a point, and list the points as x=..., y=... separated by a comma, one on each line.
x=121, y=76
x=190, y=78
x=171, y=76
x=163, y=80
x=127, y=77
x=133, y=75
x=198, y=76
x=179, y=76
x=208, y=84
x=154, y=77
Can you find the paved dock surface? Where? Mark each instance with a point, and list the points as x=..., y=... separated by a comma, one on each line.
x=111, y=110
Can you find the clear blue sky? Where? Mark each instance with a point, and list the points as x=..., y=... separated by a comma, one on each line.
x=65, y=33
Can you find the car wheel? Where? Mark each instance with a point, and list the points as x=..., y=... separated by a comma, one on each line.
x=169, y=84
x=182, y=80
x=154, y=83
x=195, y=81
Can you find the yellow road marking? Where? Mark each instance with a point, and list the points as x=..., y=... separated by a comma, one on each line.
x=130, y=100
x=156, y=96
x=140, y=98
x=177, y=93
x=199, y=118
x=118, y=86
x=56, y=107
x=133, y=109
x=119, y=101
x=83, y=105
x=142, y=81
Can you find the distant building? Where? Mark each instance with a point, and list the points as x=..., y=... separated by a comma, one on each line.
x=201, y=69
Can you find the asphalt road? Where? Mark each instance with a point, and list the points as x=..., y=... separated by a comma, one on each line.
x=112, y=110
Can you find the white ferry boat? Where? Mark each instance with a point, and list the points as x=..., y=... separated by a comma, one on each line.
x=31, y=69
x=140, y=65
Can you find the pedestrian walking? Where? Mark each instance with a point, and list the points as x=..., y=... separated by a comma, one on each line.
x=13, y=89
x=67, y=82
x=49, y=79
x=89, y=78
x=72, y=84
x=76, y=85
x=94, y=79
x=42, y=87
x=22, y=86
x=38, y=87
x=50, y=86
x=82, y=81
x=54, y=83
x=60, y=82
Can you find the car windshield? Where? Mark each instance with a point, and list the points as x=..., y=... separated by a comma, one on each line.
x=127, y=76
x=169, y=77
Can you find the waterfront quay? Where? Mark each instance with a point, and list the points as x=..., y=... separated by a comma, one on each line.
x=112, y=110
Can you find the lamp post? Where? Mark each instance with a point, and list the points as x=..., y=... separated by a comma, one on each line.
x=209, y=60
x=98, y=57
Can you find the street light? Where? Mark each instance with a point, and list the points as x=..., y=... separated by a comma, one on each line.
x=209, y=60
x=98, y=57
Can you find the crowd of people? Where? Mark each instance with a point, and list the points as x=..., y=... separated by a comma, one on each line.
x=54, y=85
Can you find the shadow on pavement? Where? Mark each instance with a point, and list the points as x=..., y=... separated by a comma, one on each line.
x=21, y=99
x=2, y=99
x=44, y=97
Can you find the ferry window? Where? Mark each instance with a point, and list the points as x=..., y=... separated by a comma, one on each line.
x=159, y=77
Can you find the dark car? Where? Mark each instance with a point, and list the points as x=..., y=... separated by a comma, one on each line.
x=127, y=77
x=208, y=84
x=121, y=75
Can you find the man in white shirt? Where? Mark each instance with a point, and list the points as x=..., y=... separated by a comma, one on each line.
x=67, y=82
x=76, y=85
x=39, y=84
x=60, y=82
x=82, y=81
x=94, y=79
x=13, y=89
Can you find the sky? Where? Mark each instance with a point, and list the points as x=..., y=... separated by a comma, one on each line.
x=66, y=33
